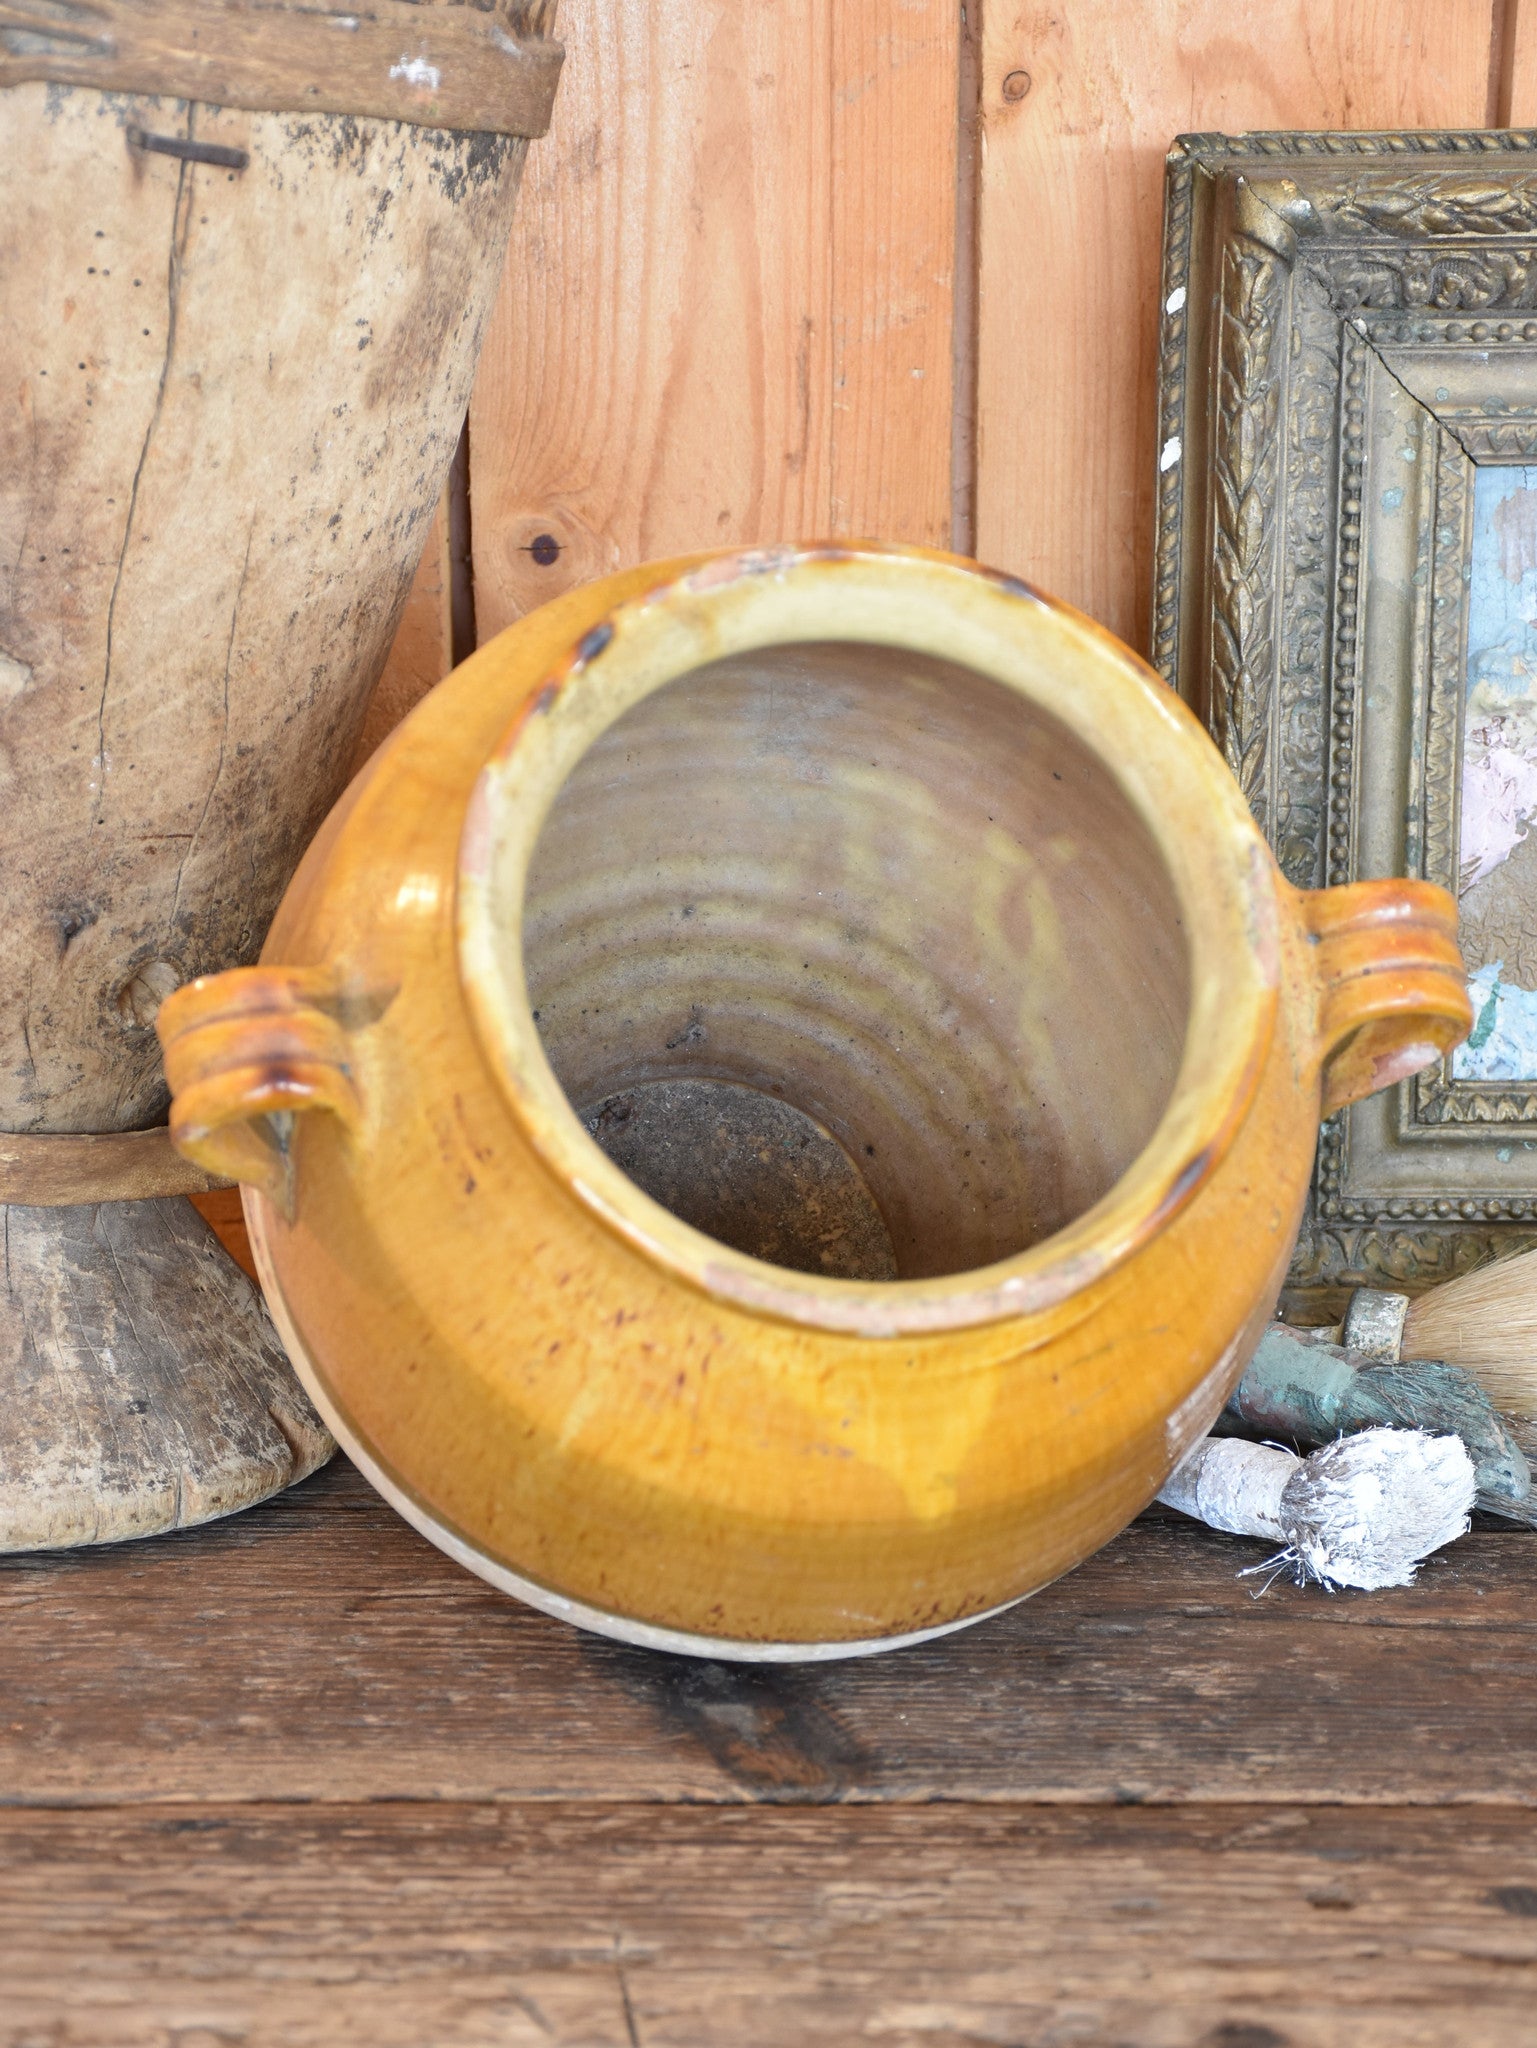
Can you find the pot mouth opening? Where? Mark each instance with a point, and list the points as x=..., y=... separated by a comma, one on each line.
x=846, y=930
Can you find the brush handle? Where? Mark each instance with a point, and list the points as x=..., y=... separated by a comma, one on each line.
x=1297, y=1388
x=1374, y=1324
x=1233, y=1486
x=1391, y=987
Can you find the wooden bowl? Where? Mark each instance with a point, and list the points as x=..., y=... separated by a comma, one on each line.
x=926, y=881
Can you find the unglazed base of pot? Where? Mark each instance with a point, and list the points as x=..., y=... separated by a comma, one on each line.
x=750, y=1170
x=593, y=1619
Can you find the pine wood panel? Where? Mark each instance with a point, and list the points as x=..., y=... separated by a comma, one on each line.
x=1516, y=65
x=1079, y=105
x=726, y=312
x=318, y=1648
x=919, y=1928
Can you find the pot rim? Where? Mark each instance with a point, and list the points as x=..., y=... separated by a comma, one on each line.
x=940, y=605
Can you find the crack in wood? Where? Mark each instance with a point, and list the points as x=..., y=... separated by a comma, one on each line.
x=181, y=224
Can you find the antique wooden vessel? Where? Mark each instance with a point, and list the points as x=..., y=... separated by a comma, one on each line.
x=940, y=875
x=237, y=346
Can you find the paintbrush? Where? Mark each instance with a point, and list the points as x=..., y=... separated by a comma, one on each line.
x=1360, y=1512
x=1486, y=1322
x=1306, y=1390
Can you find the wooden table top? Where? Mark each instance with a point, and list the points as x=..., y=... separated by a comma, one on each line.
x=295, y=1778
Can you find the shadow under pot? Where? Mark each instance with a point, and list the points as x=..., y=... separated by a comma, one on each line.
x=777, y=1107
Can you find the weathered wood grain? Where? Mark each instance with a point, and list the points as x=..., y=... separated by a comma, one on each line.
x=217, y=465
x=225, y=422
x=727, y=308
x=1257, y=1927
x=143, y=1386
x=1079, y=107
x=422, y=651
x=54, y=1169
x=420, y=655
x=317, y=1648
x=447, y=67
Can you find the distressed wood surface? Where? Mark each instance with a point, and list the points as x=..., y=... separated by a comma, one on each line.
x=231, y=391
x=294, y=1780
x=448, y=67
x=217, y=467
x=1079, y=106
x=925, y=1927
x=727, y=309
x=144, y=1387
x=318, y=1648
x=422, y=651
x=56, y=1169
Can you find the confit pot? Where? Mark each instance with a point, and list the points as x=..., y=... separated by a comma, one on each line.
x=911, y=856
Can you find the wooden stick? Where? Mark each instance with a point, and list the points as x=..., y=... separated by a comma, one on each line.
x=58, y=1169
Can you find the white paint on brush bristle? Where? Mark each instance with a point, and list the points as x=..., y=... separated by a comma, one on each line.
x=1362, y=1512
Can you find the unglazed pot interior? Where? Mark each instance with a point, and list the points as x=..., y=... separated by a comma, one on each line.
x=931, y=871
x=882, y=890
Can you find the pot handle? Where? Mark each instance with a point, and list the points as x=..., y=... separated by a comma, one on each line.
x=243, y=1051
x=1392, y=989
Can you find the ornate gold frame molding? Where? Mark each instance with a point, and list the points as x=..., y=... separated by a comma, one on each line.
x=1346, y=318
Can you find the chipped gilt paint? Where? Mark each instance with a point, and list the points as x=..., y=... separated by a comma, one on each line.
x=902, y=845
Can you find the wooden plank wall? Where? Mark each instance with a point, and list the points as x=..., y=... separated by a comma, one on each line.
x=728, y=308
x=884, y=267
x=1070, y=213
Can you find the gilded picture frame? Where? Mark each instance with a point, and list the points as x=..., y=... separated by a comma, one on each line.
x=1346, y=592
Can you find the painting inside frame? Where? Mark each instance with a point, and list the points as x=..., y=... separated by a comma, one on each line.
x=1497, y=842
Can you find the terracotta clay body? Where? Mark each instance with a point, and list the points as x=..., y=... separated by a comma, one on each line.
x=946, y=877
x=236, y=351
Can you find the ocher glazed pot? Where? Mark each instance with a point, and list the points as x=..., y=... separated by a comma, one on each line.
x=942, y=873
